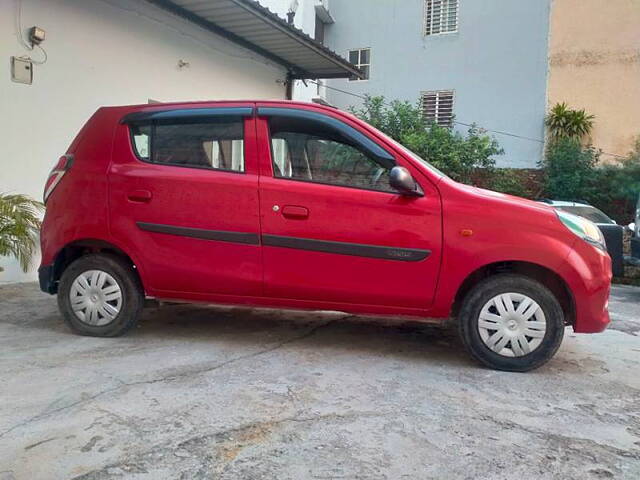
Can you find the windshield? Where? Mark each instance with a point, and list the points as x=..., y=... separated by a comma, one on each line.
x=590, y=213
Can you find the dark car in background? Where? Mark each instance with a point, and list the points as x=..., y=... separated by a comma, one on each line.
x=613, y=233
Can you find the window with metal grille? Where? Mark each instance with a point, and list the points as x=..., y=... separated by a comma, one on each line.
x=361, y=58
x=437, y=107
x=441, y=16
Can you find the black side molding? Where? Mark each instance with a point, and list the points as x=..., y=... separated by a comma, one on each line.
x=221, y=236
x=341, y=248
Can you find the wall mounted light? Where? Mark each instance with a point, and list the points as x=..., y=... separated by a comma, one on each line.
x=36, y=35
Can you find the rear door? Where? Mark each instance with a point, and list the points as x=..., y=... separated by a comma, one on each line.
x=333, y=230
x=184, y=199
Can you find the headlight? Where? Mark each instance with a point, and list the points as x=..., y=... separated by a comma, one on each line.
x=583, y=228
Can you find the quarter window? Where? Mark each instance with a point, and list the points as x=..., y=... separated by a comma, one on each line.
x=440, y=16
x=141, y=140
x=361, y=58
x=301, y=151
x=218, y=145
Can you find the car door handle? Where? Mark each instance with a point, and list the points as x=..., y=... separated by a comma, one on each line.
x=295, y=212
x=140, y=196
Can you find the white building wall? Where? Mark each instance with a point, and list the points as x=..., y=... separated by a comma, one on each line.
x=106, y=52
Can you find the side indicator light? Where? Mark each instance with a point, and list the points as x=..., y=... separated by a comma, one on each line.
x=466, y=232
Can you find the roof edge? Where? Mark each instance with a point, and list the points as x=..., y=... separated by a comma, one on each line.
x=294, y=32
x=254, y=8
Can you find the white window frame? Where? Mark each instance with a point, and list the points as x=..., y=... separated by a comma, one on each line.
x=359, y=50
x=437, y=94
x=427, y=29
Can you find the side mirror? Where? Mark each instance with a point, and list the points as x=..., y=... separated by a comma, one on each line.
x=401, y=180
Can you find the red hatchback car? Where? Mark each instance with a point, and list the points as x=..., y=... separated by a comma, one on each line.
x=295, y=205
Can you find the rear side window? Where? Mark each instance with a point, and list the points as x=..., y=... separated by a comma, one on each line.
x=214, y=145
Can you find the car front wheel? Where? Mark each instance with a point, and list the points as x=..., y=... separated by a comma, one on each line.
x=511, y=322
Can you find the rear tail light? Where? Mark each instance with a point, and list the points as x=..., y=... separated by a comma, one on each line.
x=62, y=167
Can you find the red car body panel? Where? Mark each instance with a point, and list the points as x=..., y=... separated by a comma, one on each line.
x=354, y=216
x=78, y=209
x=192, y=198
x=589, y=277
x=109, y=192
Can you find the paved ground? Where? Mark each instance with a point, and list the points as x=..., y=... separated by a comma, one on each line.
x=200, y=392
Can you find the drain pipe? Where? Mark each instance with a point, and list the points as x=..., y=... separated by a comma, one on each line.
x=289, y=87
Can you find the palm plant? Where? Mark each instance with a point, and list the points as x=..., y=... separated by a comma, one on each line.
x=19, y=227
x=564, y=122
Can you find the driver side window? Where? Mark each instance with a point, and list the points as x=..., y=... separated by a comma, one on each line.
x=302, y=152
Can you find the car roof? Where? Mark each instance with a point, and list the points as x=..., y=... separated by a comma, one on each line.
x=203, y=103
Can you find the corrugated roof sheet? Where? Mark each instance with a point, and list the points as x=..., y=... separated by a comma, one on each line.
x=253, y=26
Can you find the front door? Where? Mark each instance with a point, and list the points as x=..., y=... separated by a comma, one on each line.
x=333, y=231
x=184, y=199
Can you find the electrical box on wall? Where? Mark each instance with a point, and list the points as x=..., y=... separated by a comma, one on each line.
x=21, y=70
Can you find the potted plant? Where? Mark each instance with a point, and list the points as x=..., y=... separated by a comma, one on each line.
x=19, y=227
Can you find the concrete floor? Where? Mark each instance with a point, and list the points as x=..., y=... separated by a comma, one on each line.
x=203, y=392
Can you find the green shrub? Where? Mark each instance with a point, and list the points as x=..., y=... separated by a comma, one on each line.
x=618, y=186
x=572, y=172
x=507, y=180
x=569, y=170
x=457, y=155
x=396, y=119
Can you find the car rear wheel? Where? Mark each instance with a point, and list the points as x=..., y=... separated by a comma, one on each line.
x=511, y=322
x=100, y=295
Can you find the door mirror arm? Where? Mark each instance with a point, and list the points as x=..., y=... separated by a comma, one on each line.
x=401, y=180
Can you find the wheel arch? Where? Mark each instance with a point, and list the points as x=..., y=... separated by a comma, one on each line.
x=76, y=249
x=544, y=275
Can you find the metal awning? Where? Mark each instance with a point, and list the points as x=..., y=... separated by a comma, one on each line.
x=255, y=27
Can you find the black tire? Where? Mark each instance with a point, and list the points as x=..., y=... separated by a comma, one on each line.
x=127, y=280
x=510, y=283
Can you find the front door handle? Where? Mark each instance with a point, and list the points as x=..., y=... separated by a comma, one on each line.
x=140, y=196
x=295, y=212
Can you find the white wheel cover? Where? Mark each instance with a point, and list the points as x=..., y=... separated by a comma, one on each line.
x=512, y=324
x=96, y=298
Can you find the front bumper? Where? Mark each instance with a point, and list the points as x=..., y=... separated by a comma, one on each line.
x=46, y=278
x=587, y=272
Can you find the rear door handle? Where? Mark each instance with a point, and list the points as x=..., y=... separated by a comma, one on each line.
x=295, y=212
x=140, y=196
